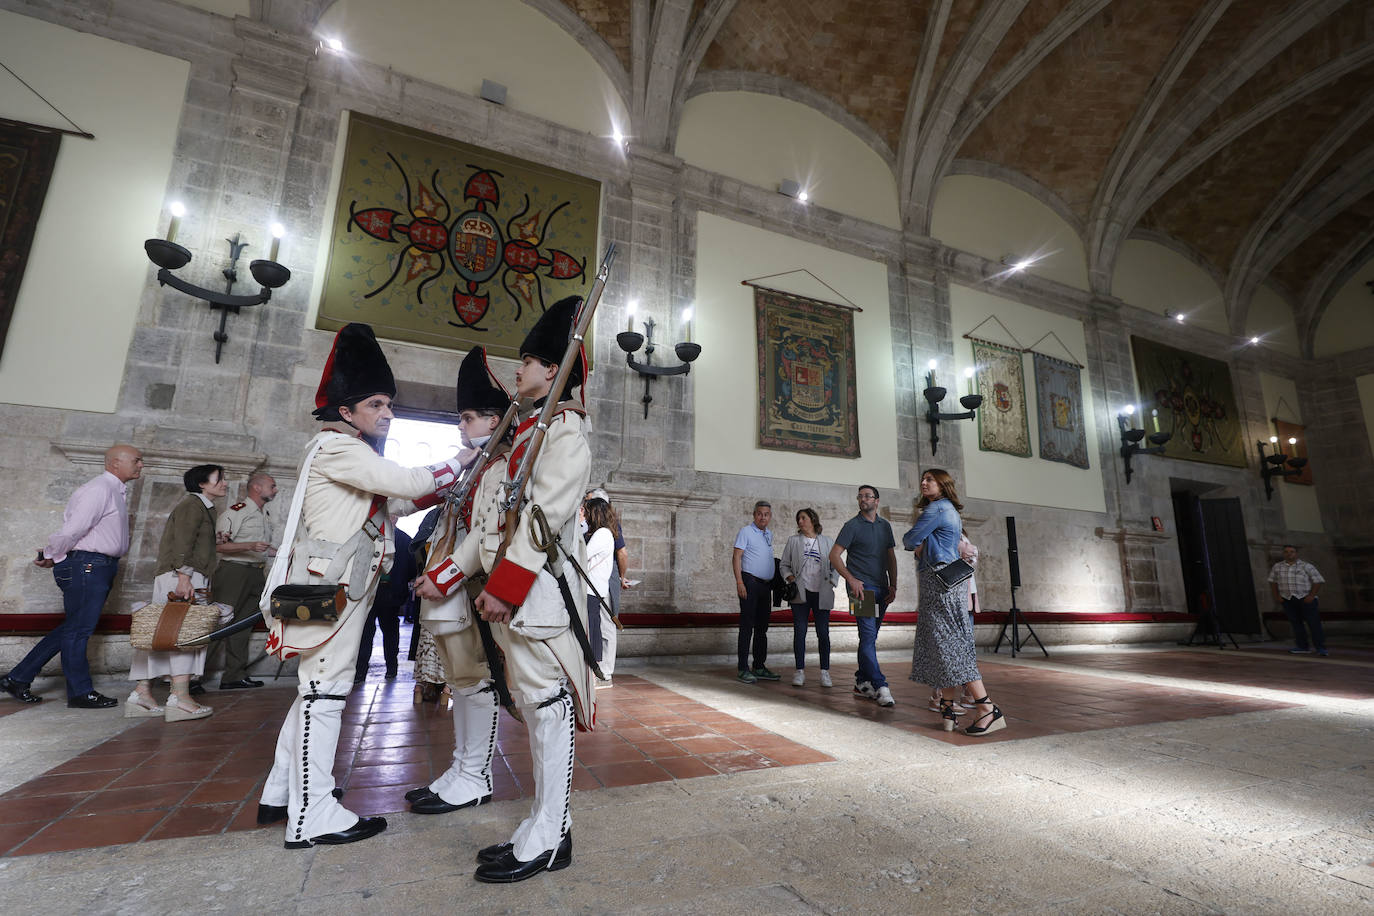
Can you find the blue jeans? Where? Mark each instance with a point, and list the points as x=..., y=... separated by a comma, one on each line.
x=85, y=580
x=1299, y=614
x=800, y=612
x=869, y=672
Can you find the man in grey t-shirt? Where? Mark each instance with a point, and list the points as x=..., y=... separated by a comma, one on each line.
x=869, y=562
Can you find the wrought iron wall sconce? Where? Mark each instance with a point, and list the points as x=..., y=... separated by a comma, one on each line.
x=170, y=257
x=1272, y=466
x=630, y=341
x=935, y=394
x=1130, y=438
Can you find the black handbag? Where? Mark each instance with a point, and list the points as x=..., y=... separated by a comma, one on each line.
x=954, y=573
x=308, y=602
x=790, y=593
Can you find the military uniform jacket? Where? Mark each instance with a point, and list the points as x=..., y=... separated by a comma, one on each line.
x=556, y=485
x=348, y=484
x=245, y=522
x=454, y=612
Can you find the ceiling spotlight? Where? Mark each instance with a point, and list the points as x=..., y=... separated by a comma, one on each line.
x=617, y=136
x=334, y=44
x=1254, y=340
x=1177, y=316
x=803, y=196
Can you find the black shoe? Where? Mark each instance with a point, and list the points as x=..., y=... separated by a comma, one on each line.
x=91, y=700
x=508, y=869
x=254, y=682
x=270, y=814
x=365, y=828
x=489, y=854
x=390, y=675
x=243, y=684
x=197, y=688
x=418, y=793
x=19, y=690
x=433, y=804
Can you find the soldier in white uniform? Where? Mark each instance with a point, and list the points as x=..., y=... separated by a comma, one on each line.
x=344, y=537
x=245, y=537
x=547, y=667
x=482, y=401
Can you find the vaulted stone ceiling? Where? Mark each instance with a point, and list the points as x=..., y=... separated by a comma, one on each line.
x=1241, y=129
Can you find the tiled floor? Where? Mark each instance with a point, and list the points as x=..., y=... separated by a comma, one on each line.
x=1345, y=673
x=1035, y=702
x=156, y=781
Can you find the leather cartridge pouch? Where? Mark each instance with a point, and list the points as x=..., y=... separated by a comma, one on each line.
x=308, y=602
x=473, y=585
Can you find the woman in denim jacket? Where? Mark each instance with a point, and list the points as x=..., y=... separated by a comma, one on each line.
x=944, y=655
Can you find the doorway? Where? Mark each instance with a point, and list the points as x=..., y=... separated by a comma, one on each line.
x=1216, y=563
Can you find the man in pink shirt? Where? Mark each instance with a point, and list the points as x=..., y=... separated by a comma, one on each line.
x=83, y=557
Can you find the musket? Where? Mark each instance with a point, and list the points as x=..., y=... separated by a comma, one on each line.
x=515, y=487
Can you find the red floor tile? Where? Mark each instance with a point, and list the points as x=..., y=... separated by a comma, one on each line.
x=135, y=798
x=196, y=820
x=91, y=830
x=629, y=774
x=220, y=791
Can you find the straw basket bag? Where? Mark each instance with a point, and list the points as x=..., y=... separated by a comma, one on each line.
x=161, y=627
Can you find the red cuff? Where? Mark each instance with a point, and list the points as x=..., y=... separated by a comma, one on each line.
x=446, y=576
x=511, y=582
x=426, y=502
x=445, y=475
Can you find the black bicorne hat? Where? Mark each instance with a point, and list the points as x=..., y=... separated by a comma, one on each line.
x=548, y=339
x=357, y=368
x=477, y=388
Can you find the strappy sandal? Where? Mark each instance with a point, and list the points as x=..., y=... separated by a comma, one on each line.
x=949, y=713
x=993, y=724
x=176, y=712
x=141, y=707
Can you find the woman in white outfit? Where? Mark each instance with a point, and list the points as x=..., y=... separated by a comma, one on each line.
x=186, y=559
x=600, y=519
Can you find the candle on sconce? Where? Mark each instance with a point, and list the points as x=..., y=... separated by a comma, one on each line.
x=278, y=230
x=1273, y=440
x=1154, y=418
x=1292, y=441
x=630, y=314
x=178, y=211
x=968, y=374
x=930, y=376
x=687, y=323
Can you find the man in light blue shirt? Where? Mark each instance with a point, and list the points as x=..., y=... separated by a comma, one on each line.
x=753, y=565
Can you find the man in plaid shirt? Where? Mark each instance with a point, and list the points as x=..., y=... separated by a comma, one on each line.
x=1295, y=584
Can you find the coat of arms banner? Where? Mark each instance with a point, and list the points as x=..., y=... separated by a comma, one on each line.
x=1195, y=400
x=27, y=157
x=808, y=399
x=1059, y=411
x=442, y=243
x=1002, y=422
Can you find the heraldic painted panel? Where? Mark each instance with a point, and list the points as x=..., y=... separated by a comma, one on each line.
x=1195, y=400
x=1002, y=423
x=1059, y=410
x=808, y=400
x=442, y=243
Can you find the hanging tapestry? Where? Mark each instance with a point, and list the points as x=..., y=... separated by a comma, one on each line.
x=1002, y=422
x=27, y=157
x=1059, y=410
x=1297, y=431
x=442, y=243
x=1195, y=400
x=808, y=399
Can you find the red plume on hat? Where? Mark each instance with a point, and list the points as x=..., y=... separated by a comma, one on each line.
x=356, y=369
x=477, y=387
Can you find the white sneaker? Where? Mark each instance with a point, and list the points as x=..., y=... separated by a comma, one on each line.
x=799, y=679
x=885, y=697
x=825, y=679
